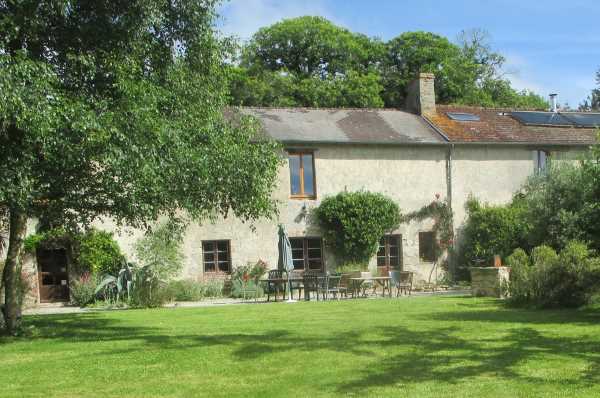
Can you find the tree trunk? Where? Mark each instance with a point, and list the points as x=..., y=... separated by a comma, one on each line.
x=12, y=270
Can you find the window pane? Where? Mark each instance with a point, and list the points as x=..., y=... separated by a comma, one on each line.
x=394, y=261
x=393, y=251
x=296, y=243
x=209, y=257
x=298, y=263
x=380, y=261
x=209, y=267
x=314, y=264
x=314, y=253
x=224, y=266
x=208, y=246
x=222, y=246
x=295, y=174
x=309, y=176
x=314, y=243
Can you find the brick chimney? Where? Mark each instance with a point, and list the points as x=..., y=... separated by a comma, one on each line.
x=420, y=96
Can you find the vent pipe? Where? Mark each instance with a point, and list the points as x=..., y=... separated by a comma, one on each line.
x=553, y=103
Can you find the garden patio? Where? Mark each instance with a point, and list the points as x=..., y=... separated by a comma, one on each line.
x=419, y=346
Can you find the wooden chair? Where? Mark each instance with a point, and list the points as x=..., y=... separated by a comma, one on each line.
x=275, y=286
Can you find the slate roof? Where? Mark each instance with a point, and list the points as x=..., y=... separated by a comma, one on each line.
x=498, y=126
x=358, y=126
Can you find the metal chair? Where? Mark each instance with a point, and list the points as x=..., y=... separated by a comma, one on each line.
x=331, y=286
x=405, y=282
x=277, y=285
x=296, y=285
x=310, y=282
x=367, y=284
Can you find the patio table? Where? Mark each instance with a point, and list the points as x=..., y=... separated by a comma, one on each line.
x=384, y=281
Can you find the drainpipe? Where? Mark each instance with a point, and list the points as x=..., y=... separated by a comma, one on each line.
x=449, y=157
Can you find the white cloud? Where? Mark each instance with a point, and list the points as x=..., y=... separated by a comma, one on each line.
x=242, y=18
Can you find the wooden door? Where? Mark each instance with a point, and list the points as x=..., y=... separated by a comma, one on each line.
x=53, y=275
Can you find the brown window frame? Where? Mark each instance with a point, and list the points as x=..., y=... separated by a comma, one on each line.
x=216, y=252
x=306, y=259
x=300, y=154
x=386, y=256
x=423, y=257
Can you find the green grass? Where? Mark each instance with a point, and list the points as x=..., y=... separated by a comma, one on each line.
x=421, y=347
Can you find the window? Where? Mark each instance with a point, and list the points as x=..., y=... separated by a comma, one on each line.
x=302, y=175
x=390, y=252
x=541, y=160
x=427, y=247
x=307, y=253
x=216, y=255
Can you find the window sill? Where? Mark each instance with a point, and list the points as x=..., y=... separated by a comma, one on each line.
x=300, y=197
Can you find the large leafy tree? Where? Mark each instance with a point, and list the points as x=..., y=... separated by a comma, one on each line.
x=308, y=61
x=115, y=108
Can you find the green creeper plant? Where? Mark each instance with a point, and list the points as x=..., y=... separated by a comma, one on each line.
x=354, y=222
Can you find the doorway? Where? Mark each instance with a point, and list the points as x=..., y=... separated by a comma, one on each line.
x=53, y=275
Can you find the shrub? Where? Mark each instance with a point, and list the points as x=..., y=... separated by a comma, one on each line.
x=214, y=287
x=354, y=222
x=160, y=249
x=491, y=230
x=187, y=290
x=547, y=279
x=83, y=289
x=520, y=286
x=237, y=289
x=97, y=252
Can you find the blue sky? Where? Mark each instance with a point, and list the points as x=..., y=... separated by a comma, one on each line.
x=550, y=45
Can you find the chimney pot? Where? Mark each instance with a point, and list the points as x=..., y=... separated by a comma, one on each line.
x=553, y=103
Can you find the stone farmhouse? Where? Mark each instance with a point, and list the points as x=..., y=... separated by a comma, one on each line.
x=409, y=155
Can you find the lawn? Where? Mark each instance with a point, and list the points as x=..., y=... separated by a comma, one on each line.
x=422, y=347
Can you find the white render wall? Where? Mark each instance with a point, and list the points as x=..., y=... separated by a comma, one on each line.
x=412, y=176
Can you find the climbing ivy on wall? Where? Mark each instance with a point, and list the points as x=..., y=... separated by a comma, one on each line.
x=441, y=213
x=353, y=223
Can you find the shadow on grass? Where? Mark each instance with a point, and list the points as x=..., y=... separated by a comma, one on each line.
x=446, y=348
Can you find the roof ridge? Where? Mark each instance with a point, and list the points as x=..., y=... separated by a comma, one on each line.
x=312, y=108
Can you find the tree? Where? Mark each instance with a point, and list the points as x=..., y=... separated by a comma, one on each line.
x=310, y=46
x=592, y=103
x=414, y=52
x=308, y=61
x=562, y=204
x=115, y=109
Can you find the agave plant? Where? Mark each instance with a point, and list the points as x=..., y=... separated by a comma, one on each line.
x=134, y=284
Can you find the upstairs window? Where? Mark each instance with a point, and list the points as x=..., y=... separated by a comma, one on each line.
x=427, y=247
x=302, y=175
x=541, y=161
x=390, y=252
x=216, y=255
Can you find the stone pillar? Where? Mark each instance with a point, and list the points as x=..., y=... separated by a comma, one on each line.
x=489, y=281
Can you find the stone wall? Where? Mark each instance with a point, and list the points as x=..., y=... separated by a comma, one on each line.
x=489, y=281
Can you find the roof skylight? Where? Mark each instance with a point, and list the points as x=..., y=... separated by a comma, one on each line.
x=463, y=117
